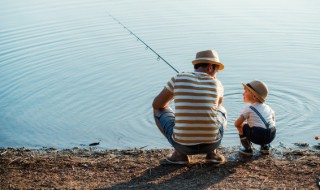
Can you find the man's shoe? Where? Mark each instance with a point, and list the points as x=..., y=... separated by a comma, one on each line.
x=246, y=151
x=265, y=149
x=215, y=158
x=177, y=158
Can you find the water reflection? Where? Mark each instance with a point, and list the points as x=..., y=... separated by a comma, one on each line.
x=70, y=75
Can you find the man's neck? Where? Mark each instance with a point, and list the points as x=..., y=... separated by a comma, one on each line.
x=202, y=70
x=206, y=72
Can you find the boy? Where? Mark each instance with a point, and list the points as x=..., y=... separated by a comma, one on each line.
x=259, y=127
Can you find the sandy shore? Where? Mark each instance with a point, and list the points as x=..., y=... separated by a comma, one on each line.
x=142, y=169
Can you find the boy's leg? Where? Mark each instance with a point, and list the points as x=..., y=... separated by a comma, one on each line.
x=245, y=142
x=265, y=148
x=269, y=136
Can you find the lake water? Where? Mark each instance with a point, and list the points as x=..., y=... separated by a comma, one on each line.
x=70, y=75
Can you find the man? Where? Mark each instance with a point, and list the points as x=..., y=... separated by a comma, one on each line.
x=199, y=120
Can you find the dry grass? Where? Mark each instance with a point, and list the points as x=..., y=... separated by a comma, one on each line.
x=141, y=169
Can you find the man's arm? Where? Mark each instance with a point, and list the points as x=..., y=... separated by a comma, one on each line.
x=163, y=99
x=220, y=101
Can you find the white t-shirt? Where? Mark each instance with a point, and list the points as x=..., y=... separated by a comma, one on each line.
x=253, y=118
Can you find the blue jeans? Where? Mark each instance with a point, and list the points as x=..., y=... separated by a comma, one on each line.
x=166, y=120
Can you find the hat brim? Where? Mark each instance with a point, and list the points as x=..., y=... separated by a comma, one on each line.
x=253, y=92
x=197, y=61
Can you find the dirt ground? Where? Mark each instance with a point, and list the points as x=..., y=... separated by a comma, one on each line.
x=142, y=169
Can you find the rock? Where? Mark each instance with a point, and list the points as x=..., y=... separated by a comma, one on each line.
x=94, y=144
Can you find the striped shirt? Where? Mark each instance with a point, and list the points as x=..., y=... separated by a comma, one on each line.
x=196, y=98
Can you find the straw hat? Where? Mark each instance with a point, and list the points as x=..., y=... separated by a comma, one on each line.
x=258, y=88
x=208, y=56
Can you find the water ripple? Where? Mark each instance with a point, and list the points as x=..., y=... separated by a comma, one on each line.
x=71, y=75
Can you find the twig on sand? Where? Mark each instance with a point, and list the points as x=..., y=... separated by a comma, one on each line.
x=143, y=147
x=263, y=182
x=301, y=158
x=14, y=160
x=3, y=153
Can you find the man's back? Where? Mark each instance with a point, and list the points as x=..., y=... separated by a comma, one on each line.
x=195, y=95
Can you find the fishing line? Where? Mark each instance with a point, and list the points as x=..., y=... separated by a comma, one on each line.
x=139, y=39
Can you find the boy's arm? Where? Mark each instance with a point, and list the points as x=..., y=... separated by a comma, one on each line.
x=239, y=122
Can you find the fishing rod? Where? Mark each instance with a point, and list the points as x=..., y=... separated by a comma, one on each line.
x=139, y=39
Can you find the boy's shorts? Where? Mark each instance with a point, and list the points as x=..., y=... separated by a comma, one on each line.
x=259, y=135
x=166, y=119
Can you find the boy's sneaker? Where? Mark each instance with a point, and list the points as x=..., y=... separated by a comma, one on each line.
x=265, y=149
x=246, y=151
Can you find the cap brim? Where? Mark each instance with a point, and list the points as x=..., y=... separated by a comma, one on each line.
x=253, y=92
x=221, y=66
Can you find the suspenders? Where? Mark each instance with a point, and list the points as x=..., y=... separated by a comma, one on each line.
x=258, y=113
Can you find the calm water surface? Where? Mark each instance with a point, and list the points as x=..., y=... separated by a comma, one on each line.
x=70, y=75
